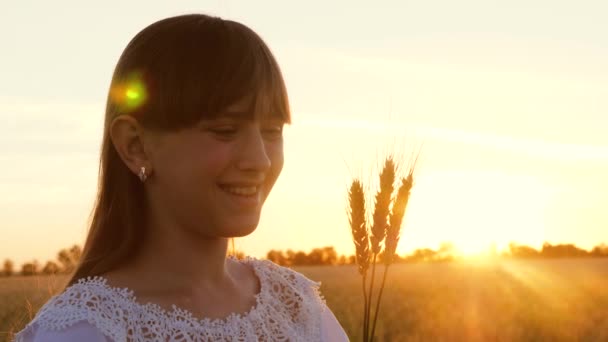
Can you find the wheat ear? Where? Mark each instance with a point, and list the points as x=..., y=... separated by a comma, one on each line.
x=392, y=235
x=396, y=218
x=380, y=223
x=383, y=202
x=356, y=200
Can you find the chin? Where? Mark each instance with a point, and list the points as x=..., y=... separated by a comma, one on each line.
x=241, y=229
x=242, y=233
x=238, y=232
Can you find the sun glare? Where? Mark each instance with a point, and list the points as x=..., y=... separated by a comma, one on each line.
x=479, y=213
x=473, y=247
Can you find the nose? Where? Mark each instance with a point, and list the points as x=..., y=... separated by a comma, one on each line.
x=253, y=155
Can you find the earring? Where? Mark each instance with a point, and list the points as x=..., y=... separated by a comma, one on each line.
x=142, y=174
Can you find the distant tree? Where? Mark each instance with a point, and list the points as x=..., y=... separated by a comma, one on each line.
x=562, y=251
x=76, y=253
x=381, y=257
x=276, y=256
x=422, y=254
x=600, y=250
x=395, y=260
x=271, y=256
x=315, y=257
x=29, y=268
x=9, y=268
x=330, y=256
x=342, y=260
x=519, y=251
x=51, y=267
x=290, y=256
x=300, y=259
x=322, y=256
x=69, y=258
x=352, y=260
x=66, y=260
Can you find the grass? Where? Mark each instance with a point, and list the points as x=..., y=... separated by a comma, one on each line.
x=534, y=300
x=20, y=299
x=548, y=300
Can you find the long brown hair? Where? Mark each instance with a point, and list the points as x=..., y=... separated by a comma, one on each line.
x=172, y=74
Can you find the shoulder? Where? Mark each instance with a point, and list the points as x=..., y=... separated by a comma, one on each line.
x=87, y=308
x=290, y=277
x=284, y=272
x=80, y=331
x=287, y=282
x=322, y=320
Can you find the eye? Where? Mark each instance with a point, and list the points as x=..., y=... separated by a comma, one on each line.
x=225, y=131
x=273, y=132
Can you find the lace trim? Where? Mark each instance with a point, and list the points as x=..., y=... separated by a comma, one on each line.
x=287, y=307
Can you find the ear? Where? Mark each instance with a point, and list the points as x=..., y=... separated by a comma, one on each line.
x=128, y=138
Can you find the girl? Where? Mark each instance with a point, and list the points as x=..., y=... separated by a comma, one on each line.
x=192, y=146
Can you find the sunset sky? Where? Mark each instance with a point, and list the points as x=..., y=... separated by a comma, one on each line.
x=508, y=99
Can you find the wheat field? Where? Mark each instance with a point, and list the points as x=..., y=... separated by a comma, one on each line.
x=533, y=300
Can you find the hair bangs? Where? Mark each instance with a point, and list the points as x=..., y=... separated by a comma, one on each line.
x=244, y=70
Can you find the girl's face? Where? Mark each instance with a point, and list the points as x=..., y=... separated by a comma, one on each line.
x=213, y=178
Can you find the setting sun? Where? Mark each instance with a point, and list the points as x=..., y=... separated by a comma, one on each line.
x=477, y=210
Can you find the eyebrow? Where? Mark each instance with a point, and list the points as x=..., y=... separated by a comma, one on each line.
x=233, y=115
x=245, y=115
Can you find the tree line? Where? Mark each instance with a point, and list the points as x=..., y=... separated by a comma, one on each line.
x=557, y=251
x=445, y=252
x=68, y=258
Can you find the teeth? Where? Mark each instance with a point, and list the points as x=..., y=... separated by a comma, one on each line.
x=246, y=191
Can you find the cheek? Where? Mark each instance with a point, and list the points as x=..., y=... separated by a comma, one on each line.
x=206, y=169
x=193, y=164
x=275, y=154
x=210, y=161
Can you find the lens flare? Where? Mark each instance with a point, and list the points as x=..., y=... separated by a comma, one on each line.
x=132, y=94
x=129, y=94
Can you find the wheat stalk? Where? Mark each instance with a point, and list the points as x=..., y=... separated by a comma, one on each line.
x=356, y=200
x=386, y=226
x=392, y=235
x=380, y=223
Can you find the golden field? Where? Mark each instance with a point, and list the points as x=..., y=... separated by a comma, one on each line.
x=501, y=300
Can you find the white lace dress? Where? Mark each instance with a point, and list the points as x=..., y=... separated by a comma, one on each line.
x=289, y=307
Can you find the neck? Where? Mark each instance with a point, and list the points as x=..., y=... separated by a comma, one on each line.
x=172, y=259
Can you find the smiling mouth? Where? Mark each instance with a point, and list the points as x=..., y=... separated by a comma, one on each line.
x=242, y=191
